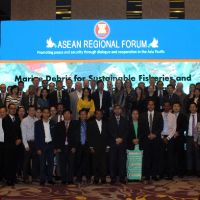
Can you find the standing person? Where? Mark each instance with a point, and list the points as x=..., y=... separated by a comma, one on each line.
x=3, y=95
x=179, y=139
x=21, y=87
x=69, y=84
x=30, y=99
x=74, y=97
x=86, y=102
x=81, y=146
x=36, y=83
x=102, y=99
x=139, y=100
x=43, y=100
x=3, y=113
x=118, y=133
x=21, y=113
x=98, y=142
x=51, y=87
x=59, y=96
x=13, y=98
x=129, y=97
x=167, y=144
x=12, y=138
x=53, y=111
x=110, y=90
x=64, y=142
x=118, y=95
x=86, y=83
x=30, y=154
x=160, y=93
x=152, y=126
x=192, y=152
x=93, y=85
x=135, y=134
x=38, y=113
x=59, y=115
x=44, y=142
x=171, y=96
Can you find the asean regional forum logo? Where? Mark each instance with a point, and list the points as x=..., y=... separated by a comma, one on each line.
x=102, y=30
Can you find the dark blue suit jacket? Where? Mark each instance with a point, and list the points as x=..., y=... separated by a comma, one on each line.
x=40, y=134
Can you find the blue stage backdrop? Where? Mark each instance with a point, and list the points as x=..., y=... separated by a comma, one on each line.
x=92, y=49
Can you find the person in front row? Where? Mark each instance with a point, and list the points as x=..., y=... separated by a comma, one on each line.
x=64, y=140
x=192, y=150
x=12, y=138
x=44, y=139
x=28, y=139
x=118, y=133
x=152, y=126
x=167, y=144
x=98, y=143
x=179, y=139
x=82, y=148
x=135, y=134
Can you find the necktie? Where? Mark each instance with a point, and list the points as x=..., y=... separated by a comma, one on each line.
x=83, y=132
x=193, y=125
x=31, y=101
x=150, y=122
x=118, y=119
x=59, y=96
x=13, y=119
x=67, y=126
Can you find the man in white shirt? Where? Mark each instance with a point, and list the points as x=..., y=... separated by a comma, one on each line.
x=44, y=136
x=28, y=139
x=192, y=152
x=167, y=135
x=2, y=115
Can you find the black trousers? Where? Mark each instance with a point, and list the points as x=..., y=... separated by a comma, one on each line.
x=117, y=162
x=99, y=164
x=82, y=161
x=10, y=163
x=167, y=158
x=31, y=162
x=151, y=158
x=66, y=163
x=180, y=162
x=2, y=153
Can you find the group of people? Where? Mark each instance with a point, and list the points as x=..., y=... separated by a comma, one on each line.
x=50, y=132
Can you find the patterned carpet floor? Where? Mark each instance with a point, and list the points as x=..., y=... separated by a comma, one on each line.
x=178, y=189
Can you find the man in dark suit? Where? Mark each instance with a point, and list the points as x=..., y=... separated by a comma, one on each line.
x=64, y=142
x=59, y=96
x=160, y=93
x=98, y=141
x=118, y=133
x=59, y=116
x=29, y=99
x=151, y=123
x=69, y=84
x=3, y=95
x=171, y=96
x=102, y=98
x=3, y=113
x=81, y=146
x=12, y=138
x=44, y=142
x=135, y=135
x=179, y=139
x=192, y=150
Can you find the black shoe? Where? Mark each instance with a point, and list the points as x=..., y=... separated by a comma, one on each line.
x=169, y=178
x=42, y=183
x=51, y=182
x=63, y=182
